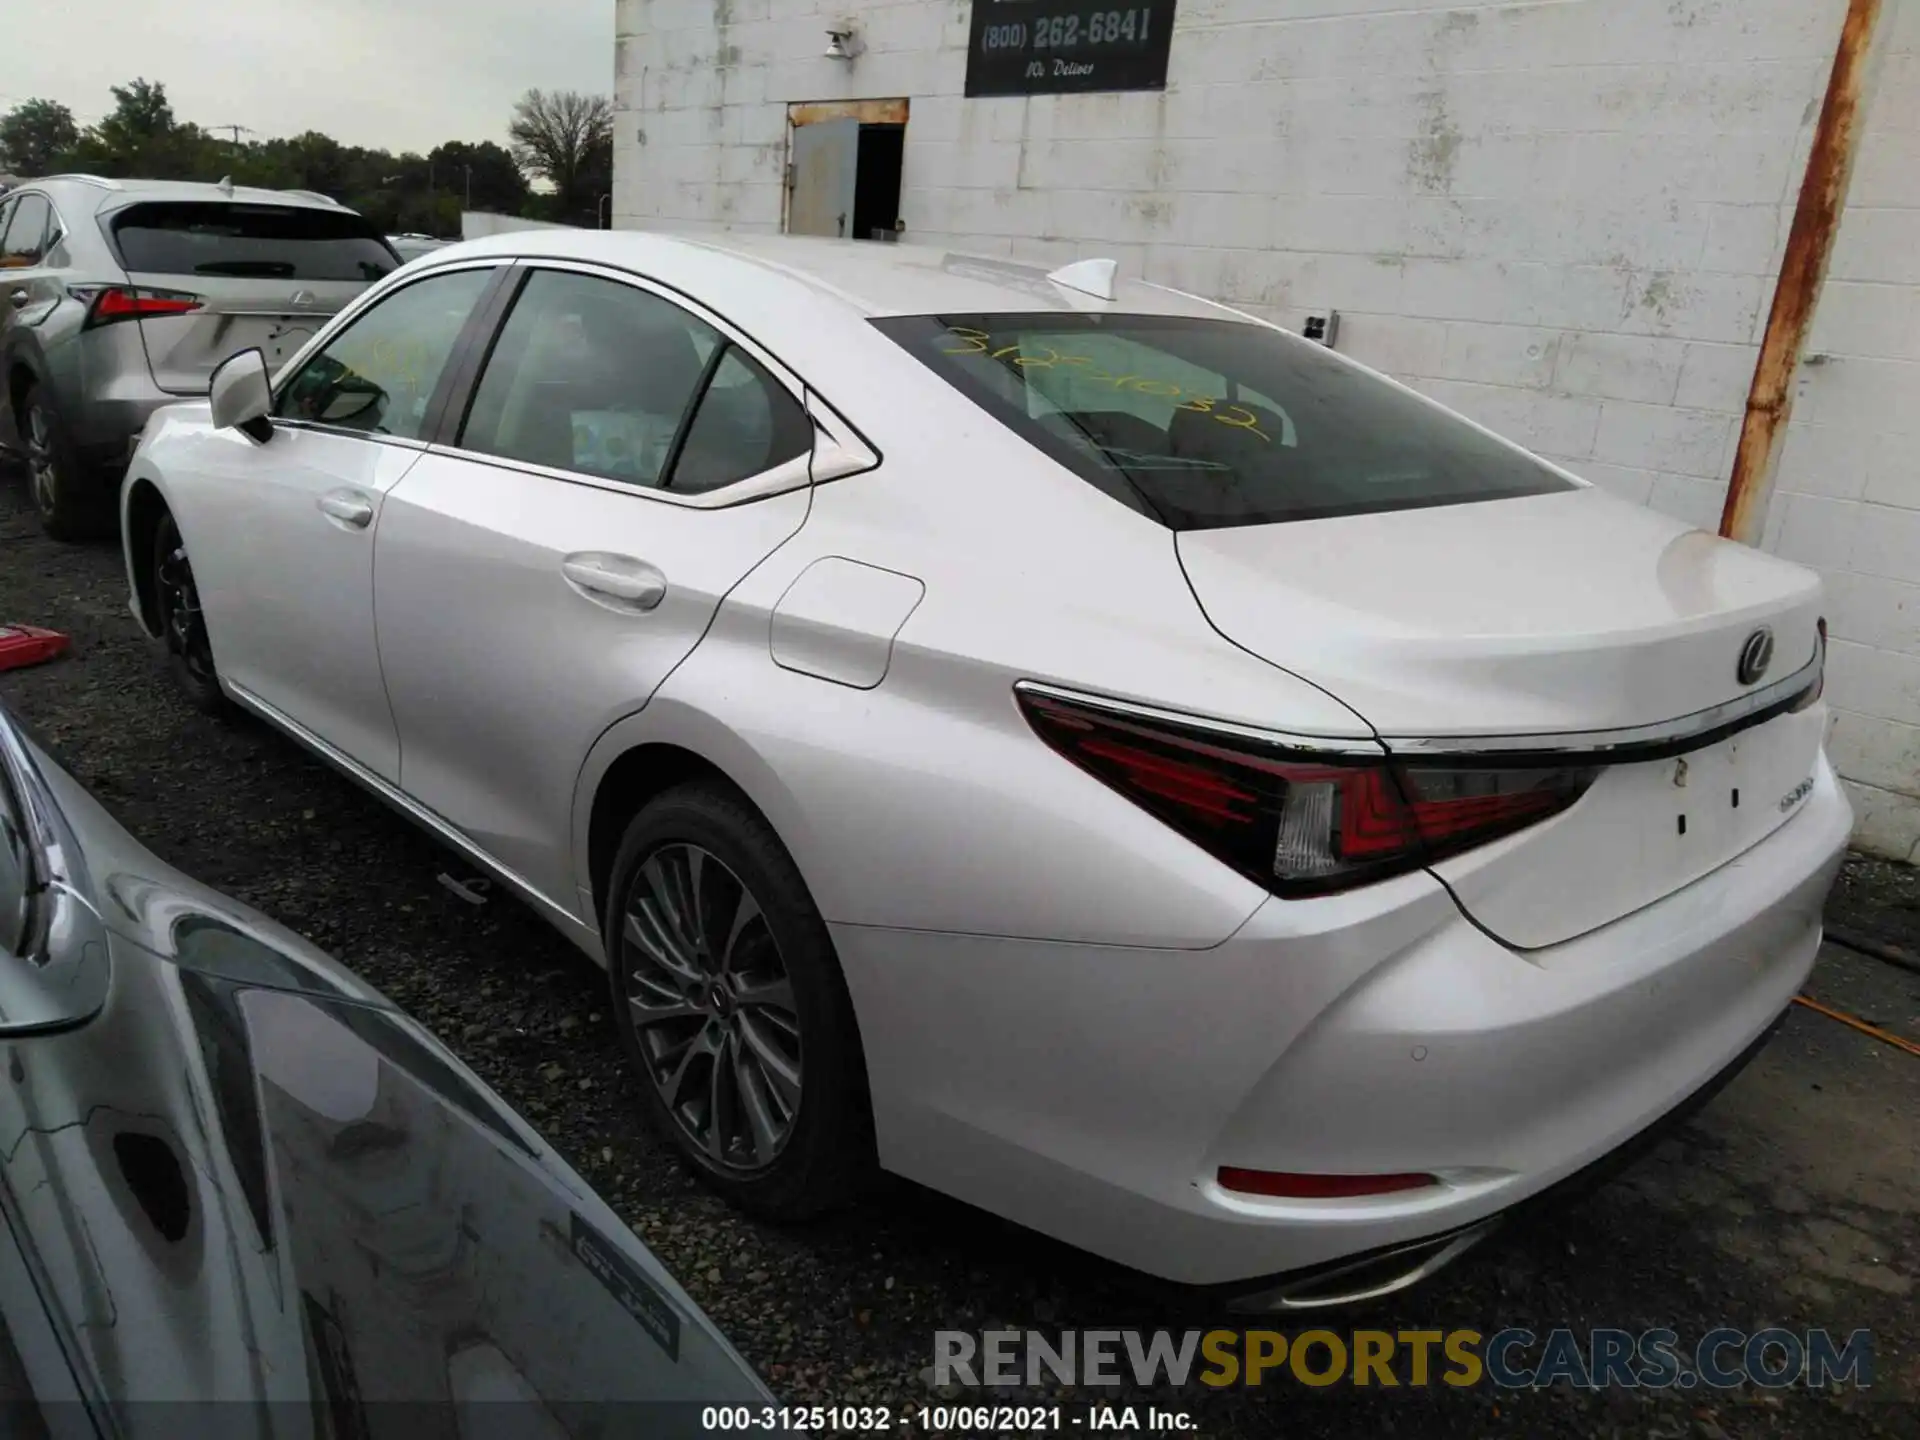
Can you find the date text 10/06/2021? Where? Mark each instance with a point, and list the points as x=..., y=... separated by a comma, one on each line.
x=960, y=1419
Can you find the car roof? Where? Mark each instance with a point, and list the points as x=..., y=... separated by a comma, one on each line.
x=116, y=192
x=868, y=277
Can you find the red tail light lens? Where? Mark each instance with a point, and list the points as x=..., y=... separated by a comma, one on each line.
x=118, y=302
x=1298, y=823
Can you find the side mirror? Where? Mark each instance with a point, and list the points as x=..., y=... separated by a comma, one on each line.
x=242, y=395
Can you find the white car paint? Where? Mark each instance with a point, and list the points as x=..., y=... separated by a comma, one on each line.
x=1072, y=1014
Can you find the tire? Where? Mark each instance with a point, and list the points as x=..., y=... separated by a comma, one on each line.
x=748, y=1018
x=182, y=625
x=70, y=507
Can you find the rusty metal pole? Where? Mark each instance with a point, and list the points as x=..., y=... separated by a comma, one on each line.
x=1823, y=196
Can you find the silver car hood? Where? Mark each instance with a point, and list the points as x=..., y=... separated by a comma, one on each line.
x=250, y=1178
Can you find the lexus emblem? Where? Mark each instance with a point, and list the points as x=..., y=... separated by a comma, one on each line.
x=1755, y=656
x=303, y=297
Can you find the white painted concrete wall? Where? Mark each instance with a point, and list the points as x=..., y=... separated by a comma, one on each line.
x=476, y=224
x=1563, y=218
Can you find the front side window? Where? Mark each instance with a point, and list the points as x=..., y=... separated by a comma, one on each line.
x=379, y=374
x=1209, y=423
x=25, y=241
x=610, y=380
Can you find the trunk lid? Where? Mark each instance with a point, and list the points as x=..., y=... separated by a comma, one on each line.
x=265, y=275
x=1554, y=613
x=1560, y=614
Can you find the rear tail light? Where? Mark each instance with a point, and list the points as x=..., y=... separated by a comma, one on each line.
x=108, y=303
x=1814, y=691
x=1292, y=1186
x=1296, y=822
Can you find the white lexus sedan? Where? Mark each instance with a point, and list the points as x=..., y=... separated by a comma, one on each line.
x=1049, y=736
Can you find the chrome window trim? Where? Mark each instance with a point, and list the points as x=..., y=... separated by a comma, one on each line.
x=836, y=446
x=680, y=300
x=1353, y=745
x=851, y=453
x=839, y=450
x=788, y=475
x=314, y=427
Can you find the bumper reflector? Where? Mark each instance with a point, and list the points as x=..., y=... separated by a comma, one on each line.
x=1318, y=1187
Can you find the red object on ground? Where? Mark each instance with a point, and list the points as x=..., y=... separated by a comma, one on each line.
x=28, y=645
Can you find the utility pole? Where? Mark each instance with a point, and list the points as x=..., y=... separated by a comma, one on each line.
x=238, y=130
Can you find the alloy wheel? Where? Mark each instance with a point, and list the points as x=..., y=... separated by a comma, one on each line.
x=41, y=470
x=184, y=626
x=712, y=1006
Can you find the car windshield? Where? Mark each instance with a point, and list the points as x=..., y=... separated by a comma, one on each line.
x=265, y=242
x=1210, y=423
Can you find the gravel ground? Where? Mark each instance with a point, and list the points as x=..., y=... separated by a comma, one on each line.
x=1791, y=1200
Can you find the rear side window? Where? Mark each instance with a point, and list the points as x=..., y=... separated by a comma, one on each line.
x=610, y=380
x=1203, y=424
x=25, y=239
x=745, y=424
x=266, y=242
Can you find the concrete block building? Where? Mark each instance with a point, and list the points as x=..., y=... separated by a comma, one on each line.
x=1564, y=218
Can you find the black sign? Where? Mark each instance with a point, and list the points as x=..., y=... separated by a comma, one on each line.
x=1045, y=47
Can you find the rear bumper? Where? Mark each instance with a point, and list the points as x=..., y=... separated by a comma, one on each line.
x=111, y=428
x=1387, y=1270
x=1094, y=1092
x=106, y=395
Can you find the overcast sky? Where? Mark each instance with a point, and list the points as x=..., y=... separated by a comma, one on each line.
x=398, y=74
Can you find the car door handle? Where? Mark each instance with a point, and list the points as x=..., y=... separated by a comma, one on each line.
x=349, y=507
x=628, y=583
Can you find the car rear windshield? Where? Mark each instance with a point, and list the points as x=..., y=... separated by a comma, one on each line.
x=1204, y=424
x=267, y=242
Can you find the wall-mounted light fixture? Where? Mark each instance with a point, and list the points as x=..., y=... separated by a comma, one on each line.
x=843, y=41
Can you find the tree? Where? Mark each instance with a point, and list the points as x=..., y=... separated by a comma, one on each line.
x=35, y=136
x=562, y=136
x=140, y=136
x=570, y=134
x=141, y=111
x=481, y=177
x=320, y=161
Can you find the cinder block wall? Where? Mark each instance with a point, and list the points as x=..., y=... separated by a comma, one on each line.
x=1564, y=219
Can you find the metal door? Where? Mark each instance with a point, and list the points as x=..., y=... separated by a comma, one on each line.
x=825, y=166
